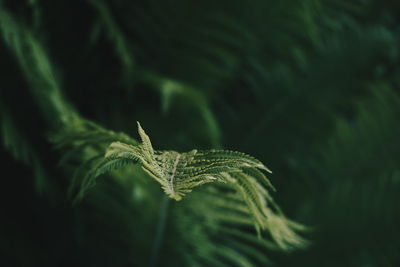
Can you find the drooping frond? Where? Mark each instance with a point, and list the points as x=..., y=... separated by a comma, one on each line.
x=179, y=173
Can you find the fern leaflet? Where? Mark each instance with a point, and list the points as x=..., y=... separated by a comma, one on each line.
x=178, y=173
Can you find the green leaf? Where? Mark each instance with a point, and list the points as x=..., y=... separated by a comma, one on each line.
x=179, y=173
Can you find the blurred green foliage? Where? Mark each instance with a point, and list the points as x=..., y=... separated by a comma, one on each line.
x=311, y=88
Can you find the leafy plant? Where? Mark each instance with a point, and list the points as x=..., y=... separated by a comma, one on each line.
x=179, y=173
x=310, y=87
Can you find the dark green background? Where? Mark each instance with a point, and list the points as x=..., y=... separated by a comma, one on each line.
x=311, y=88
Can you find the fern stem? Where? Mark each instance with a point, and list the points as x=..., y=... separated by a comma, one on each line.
x=159, y=238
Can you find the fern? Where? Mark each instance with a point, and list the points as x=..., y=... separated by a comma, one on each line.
x=178, y=173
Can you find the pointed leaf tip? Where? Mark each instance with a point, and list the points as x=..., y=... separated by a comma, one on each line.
x=145, y=138
x=140, y=130
x=138, y=125
x=263, y=167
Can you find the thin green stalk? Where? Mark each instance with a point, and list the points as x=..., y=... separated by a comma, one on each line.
x=163, y=214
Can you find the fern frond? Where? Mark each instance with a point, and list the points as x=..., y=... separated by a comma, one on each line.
x=179, y=173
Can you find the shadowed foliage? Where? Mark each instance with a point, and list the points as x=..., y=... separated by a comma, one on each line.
x=309, y=87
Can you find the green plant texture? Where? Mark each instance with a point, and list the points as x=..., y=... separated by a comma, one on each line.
x=311, y=88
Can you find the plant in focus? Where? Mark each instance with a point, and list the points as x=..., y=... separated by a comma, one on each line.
x=309, y=87
x=179, y=173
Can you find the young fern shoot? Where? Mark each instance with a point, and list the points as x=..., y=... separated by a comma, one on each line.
x=178, y=173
